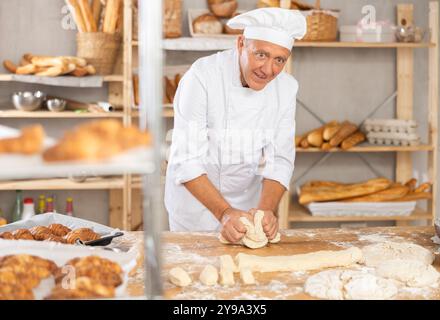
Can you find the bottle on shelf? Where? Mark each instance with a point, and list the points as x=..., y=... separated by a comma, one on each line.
x=3, y=220
x=18, y=207
x=49, y=205
x=54, y=201
x=69, y=207
x=28, y=209
x=41, y=204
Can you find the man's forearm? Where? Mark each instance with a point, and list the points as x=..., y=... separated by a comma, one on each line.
x=271, y=195
x=204, y=191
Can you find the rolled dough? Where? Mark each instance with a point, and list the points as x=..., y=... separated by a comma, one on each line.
x=209, y=275
x=227, y=269
x=412, y=273
x=300, y=262
x=377, y=253
x=350, y=285
x=179, y=277
x=246, y=276
x=255, y=237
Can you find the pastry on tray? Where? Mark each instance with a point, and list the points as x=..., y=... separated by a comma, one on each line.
x=96, y=140
x=83, y=234
x=59, y=229
x=29, y=142
x=82, y=288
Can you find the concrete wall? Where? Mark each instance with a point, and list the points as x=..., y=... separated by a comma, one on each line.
x=335, y=83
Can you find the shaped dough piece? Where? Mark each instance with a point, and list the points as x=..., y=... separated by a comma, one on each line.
x=255, y=237
x=349, y=284
x=377, y=253
x=412, y=273
x=209, y=276
x=300, y=262
x=246, y=276
x=227, y=269
x=179, y=277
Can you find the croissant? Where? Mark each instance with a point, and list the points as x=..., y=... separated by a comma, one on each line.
x=16, y=292
x=84, y=288
x=23, y=261
x=59, y=230
x=40, y=233
x=7, y=236
x=55, y=238
x=83, y=234
x=23, y=234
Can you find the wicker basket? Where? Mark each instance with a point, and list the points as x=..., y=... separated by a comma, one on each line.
x=322, y=25
x=172, y=18
x=99, y=49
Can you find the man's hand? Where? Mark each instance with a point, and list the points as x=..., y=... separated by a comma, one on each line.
x=233, y=229
x=270, y=223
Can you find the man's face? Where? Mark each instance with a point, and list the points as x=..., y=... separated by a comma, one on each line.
x=260, y=62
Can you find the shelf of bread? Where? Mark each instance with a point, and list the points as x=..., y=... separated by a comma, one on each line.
x=298, y=213
x=56, y=115
x=64, y=81
x=64, y=184
x=370, y=148
x=215, y=43
x=94, y=148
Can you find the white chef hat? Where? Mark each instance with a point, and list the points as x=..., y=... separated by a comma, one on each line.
x=275, y=25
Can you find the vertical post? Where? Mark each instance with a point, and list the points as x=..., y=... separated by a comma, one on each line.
x=150, y=85
x=127, y=99
x=405, y=98
x=433, y=103
x=283, y=211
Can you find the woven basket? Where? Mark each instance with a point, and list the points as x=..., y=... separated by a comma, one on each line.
x=322, y=25
x=99, y=49
x=172, y=18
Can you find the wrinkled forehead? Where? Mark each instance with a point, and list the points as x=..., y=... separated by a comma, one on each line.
x=261, y=45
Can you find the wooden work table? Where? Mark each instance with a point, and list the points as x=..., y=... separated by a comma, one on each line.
x=193, y=251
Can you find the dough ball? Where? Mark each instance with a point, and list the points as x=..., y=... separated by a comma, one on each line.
x=412, y=273
x=179, y=277
x=377, y=253
x=209, y=275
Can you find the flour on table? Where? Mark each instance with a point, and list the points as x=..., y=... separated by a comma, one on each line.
x=378, y=237
x=349, y=284
x=377, y=253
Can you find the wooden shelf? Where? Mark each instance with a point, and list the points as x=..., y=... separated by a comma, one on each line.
x=371, y=148
x=298, y=213
x=56, y=115
x=109, y=78
x=222, y=43
x=64, y=184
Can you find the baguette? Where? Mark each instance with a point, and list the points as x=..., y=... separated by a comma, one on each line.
x=111, y=16
x=10, y=66
x=330, y=131
x=90, y=69
x=96, y=11
x=411, y=184
x=347, y=128
x=57, y=70
x=298, y=140
x=77, y=15
x=345, y=191
x=314, y=137
x=412, y=196
x=304, y=143
x=28, y=69
x=353, y=140
x=46, y=61
x=87, y=15
x=170, y=89
x=79, y=62
x=423, y=187
x=177, y=79
x=394, y=192
x=136, y=89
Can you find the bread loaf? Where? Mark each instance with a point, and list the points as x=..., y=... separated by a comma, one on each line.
x=411, y=184
x=25, y=70
x=345, y=191
x=353, y=140
x=10, y=66
x=413, y=196
x=330, y=131
x=207, y=24
x=423, y=187
x=326, y=146
x=347, y=128
x=315, y=138
x=389, y=194
x=224, y=8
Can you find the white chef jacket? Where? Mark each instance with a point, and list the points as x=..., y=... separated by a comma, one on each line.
x=235, y=135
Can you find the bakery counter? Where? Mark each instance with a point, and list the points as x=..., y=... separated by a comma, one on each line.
x=193, y=251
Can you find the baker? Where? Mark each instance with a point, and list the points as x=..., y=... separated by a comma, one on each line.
x=232, y=148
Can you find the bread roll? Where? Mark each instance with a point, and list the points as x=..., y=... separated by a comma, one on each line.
x=207, y=24
x=224, y=9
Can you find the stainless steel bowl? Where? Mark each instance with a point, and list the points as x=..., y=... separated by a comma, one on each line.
x=56, y=105
x=28, y=101
x=410, y=34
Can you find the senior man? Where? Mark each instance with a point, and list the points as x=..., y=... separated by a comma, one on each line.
x=232, y=150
